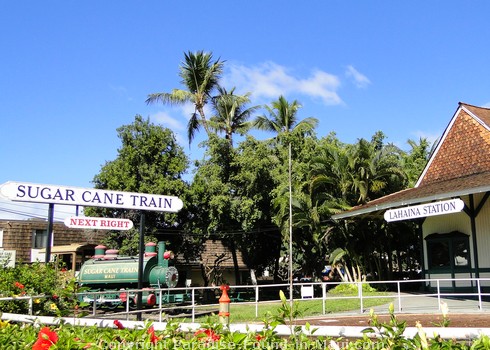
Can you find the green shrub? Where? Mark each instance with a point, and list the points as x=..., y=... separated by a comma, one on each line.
x=351, y=289
x=53, y=288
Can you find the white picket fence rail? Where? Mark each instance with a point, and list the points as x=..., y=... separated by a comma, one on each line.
x=407, y=296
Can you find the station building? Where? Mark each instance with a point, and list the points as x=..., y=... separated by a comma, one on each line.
x=25, y=241
x=450, y=204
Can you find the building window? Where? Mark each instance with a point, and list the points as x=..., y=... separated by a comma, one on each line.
x=448, y=250
x=40, y=239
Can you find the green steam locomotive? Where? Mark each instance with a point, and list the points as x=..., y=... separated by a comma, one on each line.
x=115, y=275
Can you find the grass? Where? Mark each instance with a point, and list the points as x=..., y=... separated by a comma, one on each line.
x=336, y=302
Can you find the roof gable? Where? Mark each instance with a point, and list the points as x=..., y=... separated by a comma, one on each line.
x=464, y=148
x=459, y=166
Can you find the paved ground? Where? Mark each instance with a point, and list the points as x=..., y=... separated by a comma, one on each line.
x=415, y=307
x=427, y=320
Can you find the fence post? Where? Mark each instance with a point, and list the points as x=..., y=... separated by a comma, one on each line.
x=438, y=295
x=30, y=305
x=127, y=304
x=359, y=289
x=480, y=304
x=257, y=301
x=160, y=295
x=324, y=297
x=95, y=303
x=399, y=296
x=193, y=305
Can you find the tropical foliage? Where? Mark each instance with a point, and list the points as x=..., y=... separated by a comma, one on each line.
x=50, y=287
x=379, y=335
x=240, y=190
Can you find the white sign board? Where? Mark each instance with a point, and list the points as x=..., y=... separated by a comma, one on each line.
x=98, y=223
x=90, y=197
x=423, y=210
x=7, y=258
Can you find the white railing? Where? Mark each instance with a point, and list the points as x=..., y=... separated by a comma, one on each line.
x=402, y=294
x=411, y=301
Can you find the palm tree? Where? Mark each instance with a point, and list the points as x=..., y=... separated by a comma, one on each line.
x=415, y=160
x=377, y=169
x=200, y=75
x=331, y=173
x=283, y=119
x=231, y=113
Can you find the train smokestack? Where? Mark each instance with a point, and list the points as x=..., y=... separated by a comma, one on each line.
x=150, y=249
x=100, y=251
x=161, y=250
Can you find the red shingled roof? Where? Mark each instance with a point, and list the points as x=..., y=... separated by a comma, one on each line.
x=459, y=166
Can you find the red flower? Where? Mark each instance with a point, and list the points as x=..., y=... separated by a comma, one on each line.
x=118, y=324
x=55, y=296
x=209, y=335
x=45, y=339
x=153, y=337
x=19, y=285
x=259, y=337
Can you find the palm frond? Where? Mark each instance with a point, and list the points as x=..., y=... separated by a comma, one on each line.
x=192, y=126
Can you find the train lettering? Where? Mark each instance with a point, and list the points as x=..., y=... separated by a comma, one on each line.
x=151, y=201
x=45, y=193
x=110, y=270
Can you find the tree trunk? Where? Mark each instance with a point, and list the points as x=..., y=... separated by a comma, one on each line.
x=235, y=261
x=204, y=275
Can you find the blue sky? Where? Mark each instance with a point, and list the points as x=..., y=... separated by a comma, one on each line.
x=71, y=72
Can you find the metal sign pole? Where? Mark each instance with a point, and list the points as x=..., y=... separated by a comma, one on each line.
x=140, y=263
x=49, y=240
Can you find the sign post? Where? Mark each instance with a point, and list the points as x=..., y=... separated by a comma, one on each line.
x=47, y=257
x=139, y=302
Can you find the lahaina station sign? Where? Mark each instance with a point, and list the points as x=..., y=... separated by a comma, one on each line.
x=424, y=210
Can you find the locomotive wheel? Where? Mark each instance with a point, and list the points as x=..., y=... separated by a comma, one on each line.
x=112, y=306
x=133, y=305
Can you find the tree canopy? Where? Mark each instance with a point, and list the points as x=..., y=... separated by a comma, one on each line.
x=149, y=161
x=239, y=191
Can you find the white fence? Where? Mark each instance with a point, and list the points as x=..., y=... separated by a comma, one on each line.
x=408, y=296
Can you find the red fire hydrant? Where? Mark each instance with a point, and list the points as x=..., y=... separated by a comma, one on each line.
x=224, y=306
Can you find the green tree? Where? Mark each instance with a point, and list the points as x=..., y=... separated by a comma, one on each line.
x=213, y=195
x=232, y=115
x=283, y=119
x=371, y=170
x=149, y=161
x=254, y=184
x=200, y=75
x=331, y=173
x=377, y=170
x=291, y=147
x=416, y=159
